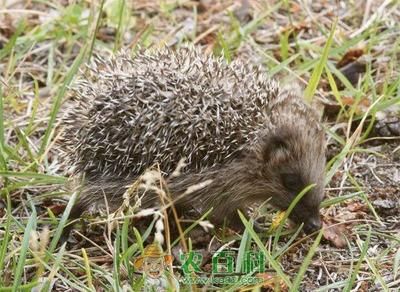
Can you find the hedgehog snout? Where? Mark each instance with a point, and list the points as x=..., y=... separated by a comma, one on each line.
x=307, y=215
x=312, y=225
x=311, y=220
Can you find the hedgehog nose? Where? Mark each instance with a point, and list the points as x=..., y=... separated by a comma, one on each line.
x=312, y=225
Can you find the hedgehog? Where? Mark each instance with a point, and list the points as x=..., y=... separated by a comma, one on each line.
x=251, y=139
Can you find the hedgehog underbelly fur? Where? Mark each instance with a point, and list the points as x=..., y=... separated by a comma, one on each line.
x=237, y=128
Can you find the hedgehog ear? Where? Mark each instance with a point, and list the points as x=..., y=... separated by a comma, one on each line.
x=275, y=148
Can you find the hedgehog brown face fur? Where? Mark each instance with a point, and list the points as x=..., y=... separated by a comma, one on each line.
x=291, y=163
x=248, y=137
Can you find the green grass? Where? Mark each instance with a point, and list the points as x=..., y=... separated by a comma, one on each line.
x=40, y=58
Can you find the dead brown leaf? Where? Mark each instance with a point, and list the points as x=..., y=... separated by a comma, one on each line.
x=7, y=29
x=350, y=57
x=335, y=234
x=361, y=106
x=357, y=206
x=295, y=8
x=57, y=209
x=295, y=28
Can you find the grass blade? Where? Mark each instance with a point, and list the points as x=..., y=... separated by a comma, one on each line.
x=244, y=243
x=57, y=263
x=31, y=226
x=87, y=269
x=338, y=200
x=287, y=213
x=33, y=175
x=270, y=259
x=11, y=43
x=96, y=28
x=306, y=263
x=7, y=235
x=316, y=75
x=61, y=225
x=354, y=274
x=57, y=101
x=193, y=225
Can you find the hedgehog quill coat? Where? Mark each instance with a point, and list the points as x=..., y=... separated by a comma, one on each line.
x=236, y=127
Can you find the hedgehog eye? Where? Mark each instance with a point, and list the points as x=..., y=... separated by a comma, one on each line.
x=292, y=182
x=274, y=147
